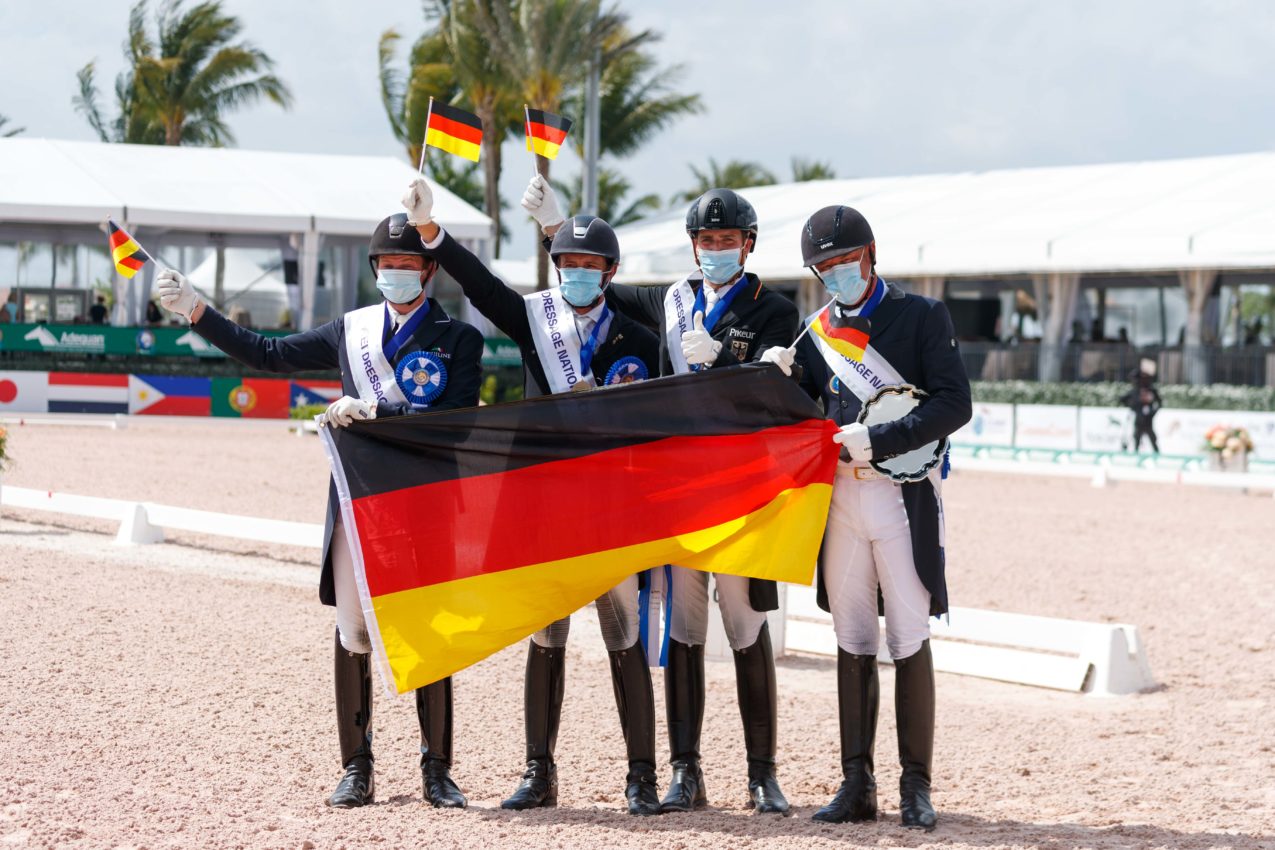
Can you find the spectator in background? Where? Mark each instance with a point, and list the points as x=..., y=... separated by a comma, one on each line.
x=10, y=306
x=1144, y=400
x=1122, y=336
x=97, y=313
x=153, y=315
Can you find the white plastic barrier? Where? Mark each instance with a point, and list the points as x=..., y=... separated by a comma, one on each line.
x=1071, y=655
x=144, y=522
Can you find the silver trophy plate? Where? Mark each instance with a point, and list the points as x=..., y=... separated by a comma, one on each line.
x=888, y=405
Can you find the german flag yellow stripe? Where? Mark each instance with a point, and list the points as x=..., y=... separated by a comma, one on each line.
x=433, y=631
x=460, y=147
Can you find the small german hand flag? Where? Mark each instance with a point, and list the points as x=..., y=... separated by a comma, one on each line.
x=125, y=252
x=455, y=131
x=546, y=132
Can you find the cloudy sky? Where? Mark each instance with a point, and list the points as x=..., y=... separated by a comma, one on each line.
x=874, y=87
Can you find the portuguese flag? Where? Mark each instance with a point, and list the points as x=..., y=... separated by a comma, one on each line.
x=546, y=132
x=472, y=529
x=127, y=255
x=454, y=130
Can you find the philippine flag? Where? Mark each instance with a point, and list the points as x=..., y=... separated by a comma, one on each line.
x=81, y=392
x=166, y=395
x=24, y=392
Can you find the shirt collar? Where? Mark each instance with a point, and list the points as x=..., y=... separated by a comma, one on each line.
x=397, y=319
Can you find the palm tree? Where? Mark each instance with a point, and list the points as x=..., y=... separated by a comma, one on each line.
x=805, y=170
x=546, y=45
x=7, y=134
x=734, y=174
x=636, y=97
x=613, y=189
x=178, y=88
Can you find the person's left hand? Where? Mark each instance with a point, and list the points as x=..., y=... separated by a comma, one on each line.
x=856, y=440
x=698, y=347
x=419, y=202
x=346, y=409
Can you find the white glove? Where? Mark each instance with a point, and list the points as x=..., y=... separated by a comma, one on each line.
x=542, y=202
x=856, y=440
x=780, y=356
x=418, y=200
x=175, y=292
x=346, y=409
x=698, y=347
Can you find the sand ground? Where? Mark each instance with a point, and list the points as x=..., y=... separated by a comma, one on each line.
x=179, y=695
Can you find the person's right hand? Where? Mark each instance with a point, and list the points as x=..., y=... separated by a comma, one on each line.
x=346, y=409
x=780, y=356
x=419, y=202
x=175, y=292
x=542, y=203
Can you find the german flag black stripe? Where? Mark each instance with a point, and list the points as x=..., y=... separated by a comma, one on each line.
x=452, y=444
x=457, y=116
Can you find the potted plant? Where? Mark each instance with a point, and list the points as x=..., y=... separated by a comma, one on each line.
x=1228, y=448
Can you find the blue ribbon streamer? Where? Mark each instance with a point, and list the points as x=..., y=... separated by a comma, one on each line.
x=404, y=333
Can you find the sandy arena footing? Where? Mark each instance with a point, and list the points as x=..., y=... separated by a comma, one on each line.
x=179, y=695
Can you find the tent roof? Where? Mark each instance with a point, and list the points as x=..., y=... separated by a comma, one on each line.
x=211, y=189
x=1216, y=212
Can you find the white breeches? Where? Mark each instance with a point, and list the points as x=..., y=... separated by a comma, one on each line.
x=868, y=543
x=349, y=610
x=618, y=618
x=689, y=622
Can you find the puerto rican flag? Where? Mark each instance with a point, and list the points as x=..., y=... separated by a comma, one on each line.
x=168, y=395
x=315, y=392
x=81, y=392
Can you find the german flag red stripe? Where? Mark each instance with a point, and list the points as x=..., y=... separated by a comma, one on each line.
x=472, y=529
x=746, y=469
x=456, y=129
x=549, y=121
x=553, y=135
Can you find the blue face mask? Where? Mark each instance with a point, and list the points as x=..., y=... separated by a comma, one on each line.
x=845, y=283
x=399, y=286
x=720, y=266
x=580, y=287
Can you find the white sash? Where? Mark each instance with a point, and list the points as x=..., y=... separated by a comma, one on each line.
x=372, y=374
x=679, y=300
x=864, y=378
x=557, y=343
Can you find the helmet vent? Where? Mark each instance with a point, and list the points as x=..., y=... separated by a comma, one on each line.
x=716, y=213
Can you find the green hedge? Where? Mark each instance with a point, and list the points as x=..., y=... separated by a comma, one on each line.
x=1183, y=396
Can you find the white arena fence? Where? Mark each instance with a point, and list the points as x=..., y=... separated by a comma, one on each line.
x=1069, y=655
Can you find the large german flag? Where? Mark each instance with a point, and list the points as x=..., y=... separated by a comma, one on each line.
x=127, y=255
x=472, y=529
x=454, y=130
x=546, y=132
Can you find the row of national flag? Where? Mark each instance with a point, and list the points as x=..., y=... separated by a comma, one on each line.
x=159, y=395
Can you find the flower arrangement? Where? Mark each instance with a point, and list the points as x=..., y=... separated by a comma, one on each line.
x=1227, y=441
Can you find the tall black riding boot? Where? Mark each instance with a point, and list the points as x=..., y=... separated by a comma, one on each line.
x=858, y=698
x=542, y=705
x=914, y=713
x=352, y=677
x=755, y=684
x=631, y=678
x=434, y=713
x=684, y=706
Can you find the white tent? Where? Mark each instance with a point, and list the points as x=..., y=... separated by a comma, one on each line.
x=52, y=190
x=1192, y=218
x=1211, y=212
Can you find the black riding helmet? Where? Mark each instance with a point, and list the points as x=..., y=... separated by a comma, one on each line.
x=833, y=231
x=395, y=236
x=585, y=234
x=722, y=209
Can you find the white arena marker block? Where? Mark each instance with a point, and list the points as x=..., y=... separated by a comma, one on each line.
x=1117, y=661
x=1099, y=478
x=137, y=529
